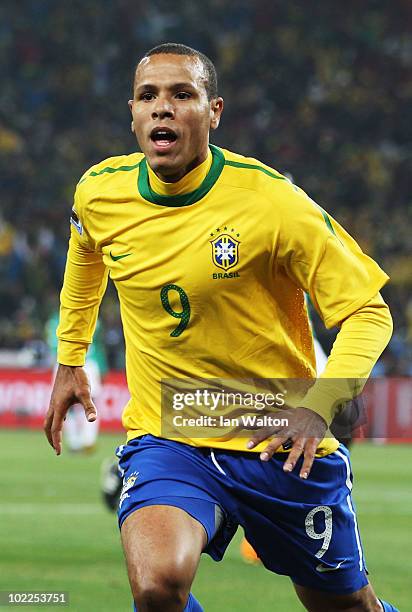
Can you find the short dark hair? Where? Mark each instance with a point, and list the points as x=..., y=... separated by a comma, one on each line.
x=178, y=49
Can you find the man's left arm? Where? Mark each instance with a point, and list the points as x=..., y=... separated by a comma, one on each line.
x=358, y=345
x=319, y=256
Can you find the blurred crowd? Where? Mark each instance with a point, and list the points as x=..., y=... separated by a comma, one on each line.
x=321, y=92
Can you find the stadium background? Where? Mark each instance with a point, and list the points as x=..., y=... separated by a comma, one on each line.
x=322, y=93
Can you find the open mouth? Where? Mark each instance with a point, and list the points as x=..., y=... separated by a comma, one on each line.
x=163, y=137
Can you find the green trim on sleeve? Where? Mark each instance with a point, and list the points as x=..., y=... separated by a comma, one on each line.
x=110, y=170
x=236, y=164
x=327, y=220
x=279, y=177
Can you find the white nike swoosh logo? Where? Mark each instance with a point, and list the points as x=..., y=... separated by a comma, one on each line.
x=324, y=568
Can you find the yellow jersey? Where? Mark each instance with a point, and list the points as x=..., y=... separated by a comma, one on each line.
x=210, y=275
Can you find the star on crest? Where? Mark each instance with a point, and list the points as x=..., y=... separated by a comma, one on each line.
x=224, y=229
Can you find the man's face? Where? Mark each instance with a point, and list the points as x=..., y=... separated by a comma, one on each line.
x=172, y=115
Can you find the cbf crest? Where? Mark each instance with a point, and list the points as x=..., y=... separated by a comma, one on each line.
x=225, y=248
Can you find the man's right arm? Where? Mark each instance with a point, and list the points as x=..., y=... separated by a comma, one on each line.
x=85, y=282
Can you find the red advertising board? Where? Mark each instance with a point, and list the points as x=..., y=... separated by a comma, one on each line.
x=389, y=409
x=25, y=394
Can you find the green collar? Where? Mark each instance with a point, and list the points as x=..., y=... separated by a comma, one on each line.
x=186, y=199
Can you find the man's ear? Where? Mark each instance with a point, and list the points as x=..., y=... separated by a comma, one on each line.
x=130, y=105
x=216, y=110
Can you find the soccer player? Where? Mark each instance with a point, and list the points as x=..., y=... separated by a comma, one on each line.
x=211, y=254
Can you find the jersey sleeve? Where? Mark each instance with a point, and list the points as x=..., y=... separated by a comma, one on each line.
x=324, y=260
x=85, y=281
x=357, y=347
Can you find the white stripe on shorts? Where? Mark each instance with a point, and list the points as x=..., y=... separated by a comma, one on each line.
x=348, y=499
x=222, y=471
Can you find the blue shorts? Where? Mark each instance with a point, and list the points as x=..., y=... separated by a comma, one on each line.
x=305, y=529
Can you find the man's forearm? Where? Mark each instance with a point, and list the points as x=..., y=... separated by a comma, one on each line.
x=358, y=345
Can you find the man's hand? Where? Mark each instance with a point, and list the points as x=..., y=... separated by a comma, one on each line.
x=71, y=386
x=304, y=432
